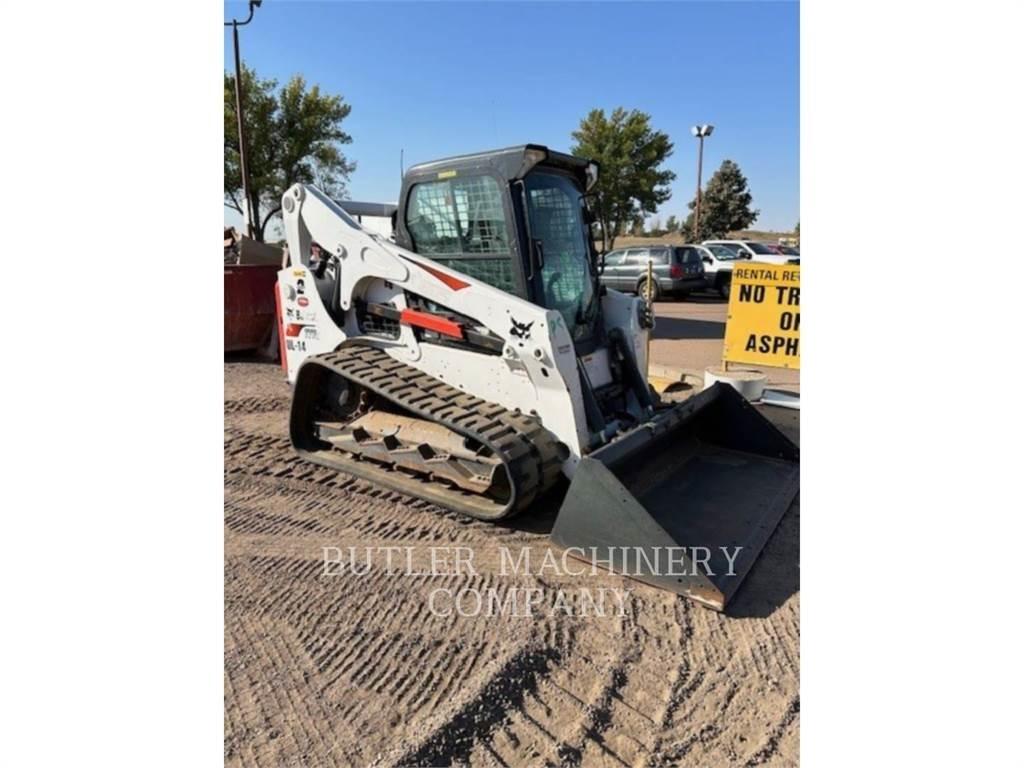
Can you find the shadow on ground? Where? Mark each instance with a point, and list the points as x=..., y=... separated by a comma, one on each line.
x=775, y=576
x=700, y=298
x=683, y=328
x=540, y=518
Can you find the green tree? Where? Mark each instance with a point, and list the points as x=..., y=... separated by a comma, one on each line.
x=630, y=152
x=636, y=229
x=672, y=225
x=724, y=205
x=294, y=135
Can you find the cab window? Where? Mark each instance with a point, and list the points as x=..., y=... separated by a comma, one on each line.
x=556, y=217
x=458, y=216
x=460, y=223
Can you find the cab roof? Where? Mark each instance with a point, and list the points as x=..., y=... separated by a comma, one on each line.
x=510, y=163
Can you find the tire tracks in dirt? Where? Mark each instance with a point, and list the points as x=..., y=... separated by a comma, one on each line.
x=356, y=670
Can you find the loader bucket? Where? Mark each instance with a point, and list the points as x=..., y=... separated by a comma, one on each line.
x=685, y=502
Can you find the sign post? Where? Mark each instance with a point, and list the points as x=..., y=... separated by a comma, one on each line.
x=650, y=310
x=763, y=324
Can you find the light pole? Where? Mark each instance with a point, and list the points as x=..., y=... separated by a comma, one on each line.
x=700, y=131
x=242, y=146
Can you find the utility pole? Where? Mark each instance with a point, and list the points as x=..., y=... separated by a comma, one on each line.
x=242, y=145
x=700, y=131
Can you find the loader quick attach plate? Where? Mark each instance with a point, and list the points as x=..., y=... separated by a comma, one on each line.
x=685, y=502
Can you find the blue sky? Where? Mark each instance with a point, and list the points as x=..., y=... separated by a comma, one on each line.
x=437, y=79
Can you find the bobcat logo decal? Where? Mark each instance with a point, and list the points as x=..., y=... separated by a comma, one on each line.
x=520, y=330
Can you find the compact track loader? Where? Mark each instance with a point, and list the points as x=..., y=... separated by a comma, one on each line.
x=476, y=359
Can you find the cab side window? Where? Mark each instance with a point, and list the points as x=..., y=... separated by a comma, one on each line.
x=458, y=216
x=460, y=223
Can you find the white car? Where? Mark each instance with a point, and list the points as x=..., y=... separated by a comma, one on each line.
x=718, y=263
x=751, y=249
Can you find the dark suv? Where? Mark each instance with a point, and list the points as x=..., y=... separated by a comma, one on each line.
x=677, y=269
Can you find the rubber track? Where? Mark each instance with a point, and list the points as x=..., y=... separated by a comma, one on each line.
x=529, y=452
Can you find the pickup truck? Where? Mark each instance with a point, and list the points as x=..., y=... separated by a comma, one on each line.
x=718, y=262
x=751, y=249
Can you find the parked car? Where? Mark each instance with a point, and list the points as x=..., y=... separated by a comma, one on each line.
x=752, y=249
x=718, y=262
x=782, y=250
x=678, y=270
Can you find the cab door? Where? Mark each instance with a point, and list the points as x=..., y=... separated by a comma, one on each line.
x=559, y=257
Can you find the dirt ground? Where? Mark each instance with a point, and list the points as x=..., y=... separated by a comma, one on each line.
x=356, y=670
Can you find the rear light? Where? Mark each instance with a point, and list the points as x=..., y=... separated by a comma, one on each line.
x=675, y=272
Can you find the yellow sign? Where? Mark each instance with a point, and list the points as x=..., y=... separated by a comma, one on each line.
x=763, y=325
